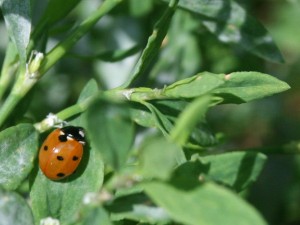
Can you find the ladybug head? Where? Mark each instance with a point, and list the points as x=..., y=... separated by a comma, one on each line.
x=76, y=133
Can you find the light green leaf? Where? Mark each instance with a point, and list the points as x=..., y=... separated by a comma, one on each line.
x=17, y=18
x=89, y=89
x=18, y=149
x=141, y=115
x=158, y=158
x=14, y=209
x=94, y=215
x=135, y=207
x=207, y=204
x=247, y=86
x=195, y=86
x=111, y=131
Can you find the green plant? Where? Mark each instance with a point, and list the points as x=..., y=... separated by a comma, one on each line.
x=171, y=176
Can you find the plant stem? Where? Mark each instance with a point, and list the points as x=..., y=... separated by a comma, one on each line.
x=8, y=106
x=134, y=94
x=25, y=82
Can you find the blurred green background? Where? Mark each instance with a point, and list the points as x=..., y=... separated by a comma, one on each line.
x=188, y=49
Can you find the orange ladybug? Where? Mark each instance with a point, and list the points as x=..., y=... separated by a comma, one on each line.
x=61, y=152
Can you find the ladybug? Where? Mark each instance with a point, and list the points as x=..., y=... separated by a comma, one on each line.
x=61, y=152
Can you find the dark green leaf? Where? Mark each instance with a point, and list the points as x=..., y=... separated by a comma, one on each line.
x=194, y=86
x=207, y=204
x=231, y=24
x=14, y=209
x=18, y=22
x=57, y=10
x=111, y=131
x=169, y=108
x=247, y=86
x=153, y=45
x=237, y=169
x=202, y=135
x=18, y=149
x=161, y=121
x=63, y=199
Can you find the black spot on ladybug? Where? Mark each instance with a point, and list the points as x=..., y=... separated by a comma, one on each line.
x=60, y=175
x=45, y=147
x=62, y=138
x=75, y=158
x=60, y=158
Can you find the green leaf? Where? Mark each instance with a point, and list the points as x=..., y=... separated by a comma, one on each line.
x=141, y=115
x=202, y=135
x=14, y=209
x=56, y=10
x=89, y=89
x=247, y=86
x=63, y=199
x=111, y=131
x=94, y=215
x=177, y=57
x=161, y=121
x=18, y=149
x=207, y=204
x=135, y=207
x=158, y=113
x=154, y=43
x=158, y=158
x=140, y=8
x=18, y=22
x=231, y=24
x=188, y=119
x=194, y=86
x=237, y=169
